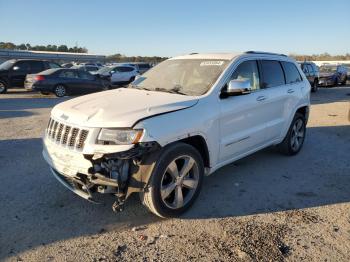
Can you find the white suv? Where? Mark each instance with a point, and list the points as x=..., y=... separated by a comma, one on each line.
x=181, y=120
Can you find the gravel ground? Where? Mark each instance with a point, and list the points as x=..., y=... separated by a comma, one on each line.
x=265, y=207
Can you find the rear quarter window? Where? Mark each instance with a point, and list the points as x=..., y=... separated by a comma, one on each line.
x=272, y=73
x=291, y=72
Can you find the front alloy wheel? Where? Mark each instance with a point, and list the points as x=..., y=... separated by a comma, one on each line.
x=175, y=182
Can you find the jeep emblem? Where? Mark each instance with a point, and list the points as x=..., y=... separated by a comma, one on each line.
x=65, y=117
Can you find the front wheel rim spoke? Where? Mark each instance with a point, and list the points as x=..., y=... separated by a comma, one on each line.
x=190, y=183
x=173, y=170
x=189, y=162
x=167, y=190
x=178, y=197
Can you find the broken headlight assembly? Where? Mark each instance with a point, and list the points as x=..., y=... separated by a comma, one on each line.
x=119, y=136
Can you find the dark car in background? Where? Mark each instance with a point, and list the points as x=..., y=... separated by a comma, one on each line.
x=13, y=72
x=65, y=81
x=312, y=74
x=332, y=75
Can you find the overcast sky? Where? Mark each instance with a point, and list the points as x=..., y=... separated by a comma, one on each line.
x=168, y=28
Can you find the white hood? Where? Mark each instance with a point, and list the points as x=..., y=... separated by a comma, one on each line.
x=119, y=108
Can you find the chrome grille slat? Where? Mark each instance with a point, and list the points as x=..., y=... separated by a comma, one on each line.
x=66, y=135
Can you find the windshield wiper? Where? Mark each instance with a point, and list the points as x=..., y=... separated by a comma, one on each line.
x=174, y=90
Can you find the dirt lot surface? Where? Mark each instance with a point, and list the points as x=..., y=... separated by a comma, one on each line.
x=266, y=207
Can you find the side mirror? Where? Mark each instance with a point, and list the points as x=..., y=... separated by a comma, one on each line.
x=237, y=87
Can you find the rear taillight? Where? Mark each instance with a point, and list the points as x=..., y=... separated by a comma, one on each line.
x=39, y=78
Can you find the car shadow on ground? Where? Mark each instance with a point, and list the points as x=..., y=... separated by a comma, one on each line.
x=37, y=210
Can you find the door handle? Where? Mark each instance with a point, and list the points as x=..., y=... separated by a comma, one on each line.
x=261, y=98
x=290, y=91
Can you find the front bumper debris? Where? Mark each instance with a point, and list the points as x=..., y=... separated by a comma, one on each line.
x=114, y=173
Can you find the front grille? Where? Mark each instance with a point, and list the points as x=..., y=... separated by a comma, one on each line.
x=65, y=135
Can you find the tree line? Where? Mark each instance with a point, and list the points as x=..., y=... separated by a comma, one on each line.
x=320, y=57
x=52, y=48
x=119, y=58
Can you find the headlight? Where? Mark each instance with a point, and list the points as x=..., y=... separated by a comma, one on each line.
x=120, y=136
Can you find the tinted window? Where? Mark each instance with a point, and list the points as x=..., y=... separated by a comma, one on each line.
x=68, y=74
x=272, y=73
x=291, y=72
x=85, y=75
x=144, y=66
x=21, y=66
x=125, y=69
x=36, y=66
x=248, y=70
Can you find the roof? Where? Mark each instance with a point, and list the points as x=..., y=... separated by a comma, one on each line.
x=219, y=56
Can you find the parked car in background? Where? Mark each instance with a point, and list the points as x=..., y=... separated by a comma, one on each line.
x=185, y=118
x=119, y=74
x=87, y=68
x=92, y=64
x=141, y=66
x=312, y=74
x=13, y=72
x=332, y=75
x=65, y=81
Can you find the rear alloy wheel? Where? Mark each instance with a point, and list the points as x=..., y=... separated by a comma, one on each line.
x=105, y=85
x=60, y=90
x=314, y=86
x=3, y=87
x=294, y=139
x=175, y=182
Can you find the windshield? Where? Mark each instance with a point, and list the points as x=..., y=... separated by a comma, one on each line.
x=193, y=77
x=104, y=70
x=328, y=69
x=7, y=65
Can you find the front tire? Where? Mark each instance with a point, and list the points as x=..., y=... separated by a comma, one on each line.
x=60, y=90
x=175, y=182
x=294, y=140
x=3, y=87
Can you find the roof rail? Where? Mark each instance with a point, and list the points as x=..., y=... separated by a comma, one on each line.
x=263, y=53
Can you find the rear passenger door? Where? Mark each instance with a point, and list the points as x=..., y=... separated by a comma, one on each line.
x=276, y=94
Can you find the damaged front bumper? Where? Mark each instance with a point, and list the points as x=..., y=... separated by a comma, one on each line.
x=119, y=173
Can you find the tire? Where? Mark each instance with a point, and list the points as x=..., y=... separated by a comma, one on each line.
x=168, y=195
x=293, y=142
x=314, y=86
x=3, y=87
x=105, y=85
x=60, y=90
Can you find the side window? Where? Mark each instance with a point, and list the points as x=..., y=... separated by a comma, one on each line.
x=291, y=72
x=68, y=74
x=128, y=69
x=310, y=69
x=248, y=70
x=36, y=66
x=21, y=66
x=304, y=68
x=272, y=73
x=85, y=75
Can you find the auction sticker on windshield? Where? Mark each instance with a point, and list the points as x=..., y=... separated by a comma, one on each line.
x=212, y=63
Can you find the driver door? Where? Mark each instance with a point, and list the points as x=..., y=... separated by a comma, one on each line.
x=243, y=118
